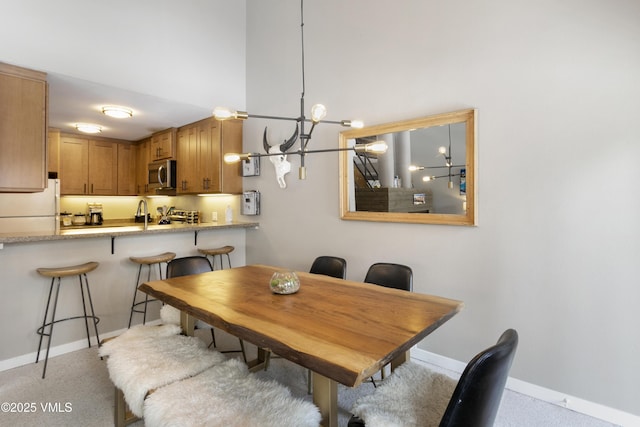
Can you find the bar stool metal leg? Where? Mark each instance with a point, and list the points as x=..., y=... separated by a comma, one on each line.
x=50, y=324
x=93, y=314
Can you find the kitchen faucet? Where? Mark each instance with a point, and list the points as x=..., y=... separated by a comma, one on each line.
x=143, y=202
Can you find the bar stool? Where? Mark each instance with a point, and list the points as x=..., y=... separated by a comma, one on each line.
x=148, y=261
x=224, y=250
x=58, y=273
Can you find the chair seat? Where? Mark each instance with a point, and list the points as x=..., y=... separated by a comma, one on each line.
x=413, y=395
x=217, y=251
x=228, y=395
x=145, y=358
x=153, y=259
x=73, y=270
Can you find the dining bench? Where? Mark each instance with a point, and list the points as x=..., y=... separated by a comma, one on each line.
x=171, y=379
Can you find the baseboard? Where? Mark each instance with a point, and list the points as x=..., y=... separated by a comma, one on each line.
x=564, y=400
x=58, y=350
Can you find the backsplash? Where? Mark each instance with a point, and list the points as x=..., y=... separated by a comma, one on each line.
x=124, y=207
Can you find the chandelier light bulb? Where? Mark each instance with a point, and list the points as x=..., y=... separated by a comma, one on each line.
x=376, y=147
x=442, y=150
x=428, y=178
x=318, y=112
x=223, y=113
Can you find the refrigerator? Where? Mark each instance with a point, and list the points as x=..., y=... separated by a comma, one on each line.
x=31, y=212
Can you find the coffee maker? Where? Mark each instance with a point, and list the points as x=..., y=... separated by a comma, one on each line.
x=95, y=213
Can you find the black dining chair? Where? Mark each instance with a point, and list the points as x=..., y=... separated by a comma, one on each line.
x=329, y=266
x=390, y=275
x=476, y=398
x=194, y=265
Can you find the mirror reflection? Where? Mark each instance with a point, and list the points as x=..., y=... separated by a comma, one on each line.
x=426, y=176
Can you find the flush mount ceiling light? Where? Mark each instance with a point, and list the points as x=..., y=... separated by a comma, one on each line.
x=117, y=112
x=88, y=128
x=318, y=112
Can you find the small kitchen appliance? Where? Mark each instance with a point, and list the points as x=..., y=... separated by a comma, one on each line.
x=95, y=213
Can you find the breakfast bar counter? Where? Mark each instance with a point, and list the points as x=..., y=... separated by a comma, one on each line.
x=111, y=245
x=116, y=230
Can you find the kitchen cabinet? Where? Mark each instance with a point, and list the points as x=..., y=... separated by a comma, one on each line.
x=163, y=145
x=200, y=150
x=23, y=129
x=88, y=166
x=142, y=166
x=126, y=169
x=53, y=150
x=187, y=159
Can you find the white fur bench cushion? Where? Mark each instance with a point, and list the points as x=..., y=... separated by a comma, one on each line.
x=412, y=396
x=145, y=358
x=227, y=395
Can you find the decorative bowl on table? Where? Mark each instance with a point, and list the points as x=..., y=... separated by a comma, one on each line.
x=284, y=283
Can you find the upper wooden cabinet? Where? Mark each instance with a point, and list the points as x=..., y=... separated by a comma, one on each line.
x=142, y=166
x=23, y=129
x=88, y=166
x=163, y=145
x=200, y=148
x=126, y=169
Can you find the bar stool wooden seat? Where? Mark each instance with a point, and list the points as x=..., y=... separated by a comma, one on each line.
x=58, y=273
x=213, y=252
x=149, y=261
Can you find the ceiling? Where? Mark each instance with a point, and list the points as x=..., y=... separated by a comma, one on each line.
x=73, y=100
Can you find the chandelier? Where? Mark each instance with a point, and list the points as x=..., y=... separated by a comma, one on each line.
x=317, y=115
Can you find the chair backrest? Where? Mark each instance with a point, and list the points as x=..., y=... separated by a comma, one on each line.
x=390, y=275
x=476, y=398
x=330, y=266
x=188, y=265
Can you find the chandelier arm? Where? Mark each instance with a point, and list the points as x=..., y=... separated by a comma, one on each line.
x=260, y=116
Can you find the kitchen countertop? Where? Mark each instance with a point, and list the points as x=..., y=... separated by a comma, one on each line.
x=115, y=229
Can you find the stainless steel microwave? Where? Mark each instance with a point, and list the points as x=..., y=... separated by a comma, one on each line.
x=162, y=175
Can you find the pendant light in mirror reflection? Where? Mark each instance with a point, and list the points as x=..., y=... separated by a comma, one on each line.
x=448, y=164
x=278, y=153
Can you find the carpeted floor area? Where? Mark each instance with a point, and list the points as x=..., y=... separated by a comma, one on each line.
x=77, y=392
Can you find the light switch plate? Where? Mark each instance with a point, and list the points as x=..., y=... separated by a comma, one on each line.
x=251, y=166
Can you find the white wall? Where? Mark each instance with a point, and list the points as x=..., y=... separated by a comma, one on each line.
x=556, y=252
x=191, y=51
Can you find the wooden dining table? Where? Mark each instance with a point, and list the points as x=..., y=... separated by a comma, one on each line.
x=343, y=331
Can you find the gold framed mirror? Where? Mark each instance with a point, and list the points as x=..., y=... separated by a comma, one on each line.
x=427, y=175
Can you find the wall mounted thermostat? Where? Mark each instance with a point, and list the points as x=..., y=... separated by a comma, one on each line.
x=251, y=203
x=251, y=166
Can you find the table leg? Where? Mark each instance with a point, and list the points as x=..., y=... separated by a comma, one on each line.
x=188, y=323
x=258, y=364
x=400, y=359
x=325, y=396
